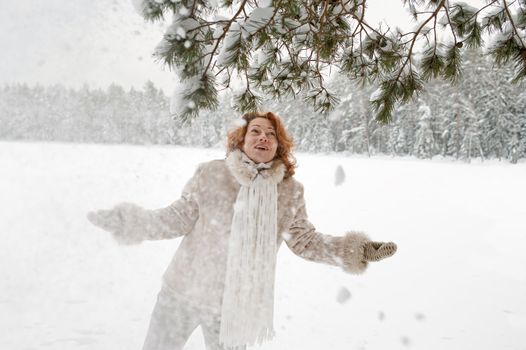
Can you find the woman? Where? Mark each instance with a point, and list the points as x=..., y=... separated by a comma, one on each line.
x=234, y=214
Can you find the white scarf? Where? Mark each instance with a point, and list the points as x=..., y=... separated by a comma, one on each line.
x=247, y=310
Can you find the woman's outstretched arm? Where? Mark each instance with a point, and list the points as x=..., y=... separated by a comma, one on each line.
x=132, y=224
x=352, y=251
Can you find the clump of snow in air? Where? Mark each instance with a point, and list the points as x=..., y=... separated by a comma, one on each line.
x=381, y=315
x=420, y=316
x=343, y=295
x=339, y=176
x=405, y=341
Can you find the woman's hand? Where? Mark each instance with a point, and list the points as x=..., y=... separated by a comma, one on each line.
x=376, y=251
x=109, y=220
x=126, y=222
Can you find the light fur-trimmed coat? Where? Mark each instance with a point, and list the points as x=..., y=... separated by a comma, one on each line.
x=203, y=216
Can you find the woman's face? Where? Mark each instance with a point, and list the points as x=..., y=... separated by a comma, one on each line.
x=261, y=142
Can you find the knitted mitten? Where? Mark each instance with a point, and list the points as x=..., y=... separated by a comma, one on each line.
x=376, y=251
x=109, y=220
x=126, y=222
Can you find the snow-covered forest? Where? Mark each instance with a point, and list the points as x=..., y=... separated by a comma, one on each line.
x=483, y=116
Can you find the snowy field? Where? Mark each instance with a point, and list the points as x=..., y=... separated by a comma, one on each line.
x=458, y=280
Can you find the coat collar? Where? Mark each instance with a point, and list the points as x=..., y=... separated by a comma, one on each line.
x=245, y=170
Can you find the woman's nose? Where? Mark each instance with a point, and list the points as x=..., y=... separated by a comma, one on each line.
x=263, y=137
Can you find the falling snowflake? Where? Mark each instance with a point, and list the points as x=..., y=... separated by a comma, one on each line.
x=420, y=316
x=339, y=176
x=405, y=340
x=343, y=295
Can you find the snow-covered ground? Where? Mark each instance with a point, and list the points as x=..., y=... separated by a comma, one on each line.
x=457, y=281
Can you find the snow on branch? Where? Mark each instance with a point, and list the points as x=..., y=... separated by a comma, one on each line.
x=288, y=48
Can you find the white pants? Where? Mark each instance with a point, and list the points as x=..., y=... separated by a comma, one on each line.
x=173, y=321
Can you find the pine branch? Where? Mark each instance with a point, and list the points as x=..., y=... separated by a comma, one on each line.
x=287, y=49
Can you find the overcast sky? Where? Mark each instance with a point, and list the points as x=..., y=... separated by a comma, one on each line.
x=74, y=42
x=95, y=42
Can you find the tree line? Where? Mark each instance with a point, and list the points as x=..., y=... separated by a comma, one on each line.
x=483, y=116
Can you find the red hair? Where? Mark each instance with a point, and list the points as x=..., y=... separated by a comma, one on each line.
x=236, y=139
